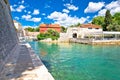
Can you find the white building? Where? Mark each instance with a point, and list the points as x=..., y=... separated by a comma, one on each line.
x=83, y=31
x=19, y=29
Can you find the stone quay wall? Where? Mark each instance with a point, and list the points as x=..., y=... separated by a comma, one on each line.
x=8, y=35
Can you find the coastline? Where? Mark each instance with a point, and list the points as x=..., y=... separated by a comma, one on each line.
x=24, y=64
x=95, y=42
x=91, y=42
x=40, y=69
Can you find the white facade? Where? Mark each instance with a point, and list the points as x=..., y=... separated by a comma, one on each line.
x=77, y=32
x=19, y=29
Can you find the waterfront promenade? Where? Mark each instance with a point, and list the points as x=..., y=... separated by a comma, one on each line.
x=24, y=64
x=95, y=42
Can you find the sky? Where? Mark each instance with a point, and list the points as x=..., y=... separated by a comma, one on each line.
x=64, y=12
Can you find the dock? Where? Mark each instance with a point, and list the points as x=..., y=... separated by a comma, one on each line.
x=95, y=42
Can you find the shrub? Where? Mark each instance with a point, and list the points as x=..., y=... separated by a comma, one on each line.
x=54, y=35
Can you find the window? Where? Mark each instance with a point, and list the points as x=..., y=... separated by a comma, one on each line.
x=96, y=28
x=89, y=28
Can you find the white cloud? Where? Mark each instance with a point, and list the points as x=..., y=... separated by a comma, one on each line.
x=65, y=20
x=35, y=19
x=12, y=9
x=114, y=7
x=102, y=12
x=25, y=10
x=22, y=1
x=17, y=18
x=20, y=8
x=14, y=5
x=26, y=17
x=71, y=7
x=29, y=12
x=26, y=26
x=36, y=12
x=94, y=7
x=30, y=18
x=43, y=14
x=117, y=9
x=66, y=11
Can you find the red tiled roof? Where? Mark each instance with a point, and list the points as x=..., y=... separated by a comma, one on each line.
x=90, y=26
x=49, y=25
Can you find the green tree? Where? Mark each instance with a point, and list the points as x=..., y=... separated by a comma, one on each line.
x=78, y=24
x=75, y=25
x=63, y=29
x=114, y=27
x=107, y=20
x=54, y=35
x=37, y=29
x=99, y=20
x=41, y=36
x=30, y=29
x=116, y=18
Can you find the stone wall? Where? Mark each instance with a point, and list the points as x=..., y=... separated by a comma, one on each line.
x=8, y=37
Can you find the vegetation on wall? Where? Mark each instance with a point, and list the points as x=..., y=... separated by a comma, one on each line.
x=109, y=22
x=54, y=35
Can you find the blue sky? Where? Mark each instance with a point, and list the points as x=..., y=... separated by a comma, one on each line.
x=64, y=12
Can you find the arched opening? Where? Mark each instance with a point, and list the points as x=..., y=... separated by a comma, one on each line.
x=74, y=35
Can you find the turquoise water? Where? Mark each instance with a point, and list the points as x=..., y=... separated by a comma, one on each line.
x=80, y=62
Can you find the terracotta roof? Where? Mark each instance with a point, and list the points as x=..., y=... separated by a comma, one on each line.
x=90, y=26
x=49, y=25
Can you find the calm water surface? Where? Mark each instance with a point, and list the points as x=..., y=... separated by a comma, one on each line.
x=80, y=62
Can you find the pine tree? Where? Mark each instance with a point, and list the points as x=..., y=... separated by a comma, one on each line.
x=107, y=20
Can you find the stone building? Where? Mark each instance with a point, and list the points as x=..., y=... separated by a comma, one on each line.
x=20, y=31
x=83, y=31
x=8, y=36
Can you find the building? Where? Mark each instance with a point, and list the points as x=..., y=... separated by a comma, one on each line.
x=83, y=31
x=45, y=27
x=31, y=35
x=20, y=31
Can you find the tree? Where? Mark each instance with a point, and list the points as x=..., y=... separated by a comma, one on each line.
x=75, y=25
x=54, y=35
x=63, y=29
x=99, y=20
x=36, y=29
x=114, y=27
x=30, y=29
x=78, y=24
x=116, y=18
x=107, y=20
x=41, y=36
